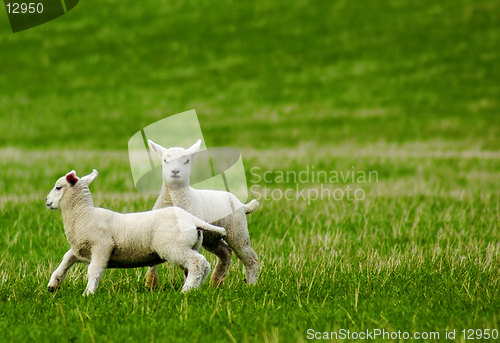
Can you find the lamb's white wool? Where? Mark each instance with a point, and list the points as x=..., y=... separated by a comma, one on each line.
x=216, y=207
x=107, y=239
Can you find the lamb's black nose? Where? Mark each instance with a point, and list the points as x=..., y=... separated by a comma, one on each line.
x=175, y=171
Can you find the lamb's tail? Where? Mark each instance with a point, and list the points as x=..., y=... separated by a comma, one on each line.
x=251, y=206
x=200, y=224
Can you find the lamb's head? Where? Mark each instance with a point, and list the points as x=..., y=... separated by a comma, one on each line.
x=67, y=185
x=176, y=162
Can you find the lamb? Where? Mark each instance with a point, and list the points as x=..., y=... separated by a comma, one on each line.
x=217, y=207
x=107, y=239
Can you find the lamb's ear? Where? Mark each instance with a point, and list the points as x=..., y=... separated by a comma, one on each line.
x=89, y=178
x=156, y=148
x=72, y=178
x=195, y=147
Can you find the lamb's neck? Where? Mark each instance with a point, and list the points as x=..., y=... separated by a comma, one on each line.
x=164, y=199
x=78, y=208
x=171, y=195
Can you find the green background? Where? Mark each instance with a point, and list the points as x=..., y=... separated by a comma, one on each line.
x=409, y=89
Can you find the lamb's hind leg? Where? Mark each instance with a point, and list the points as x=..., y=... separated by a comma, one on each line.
x=198, y=269
x=239, y=241
x=223, y=252
x=251, y=262
x=152, y=277
x=57, y=276
x=195, y=263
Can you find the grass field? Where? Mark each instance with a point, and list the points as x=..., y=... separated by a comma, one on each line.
x=409, y=90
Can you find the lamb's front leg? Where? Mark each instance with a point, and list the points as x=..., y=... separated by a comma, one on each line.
x=98, y=262
x=152, y=277
x=57, y=276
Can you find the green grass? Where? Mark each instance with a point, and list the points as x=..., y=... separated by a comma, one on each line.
x=259, y=73
x=407, y=259
x=407, y=89
x=423, y=264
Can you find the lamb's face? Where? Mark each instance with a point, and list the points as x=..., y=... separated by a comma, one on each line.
x=66, y=184
x=176, y=162
x=176, y=166
x=57, y=193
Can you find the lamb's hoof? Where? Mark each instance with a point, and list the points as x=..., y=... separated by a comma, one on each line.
x=188, y=289
x=151, y=281
x=53, y=288
x=251, y=282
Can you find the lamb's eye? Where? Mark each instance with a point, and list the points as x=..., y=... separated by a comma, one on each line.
x=164, y=160
x=187, y=161
x=58, y=188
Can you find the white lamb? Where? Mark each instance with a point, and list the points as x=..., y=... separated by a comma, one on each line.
x=217, y=207
x=107, y=239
